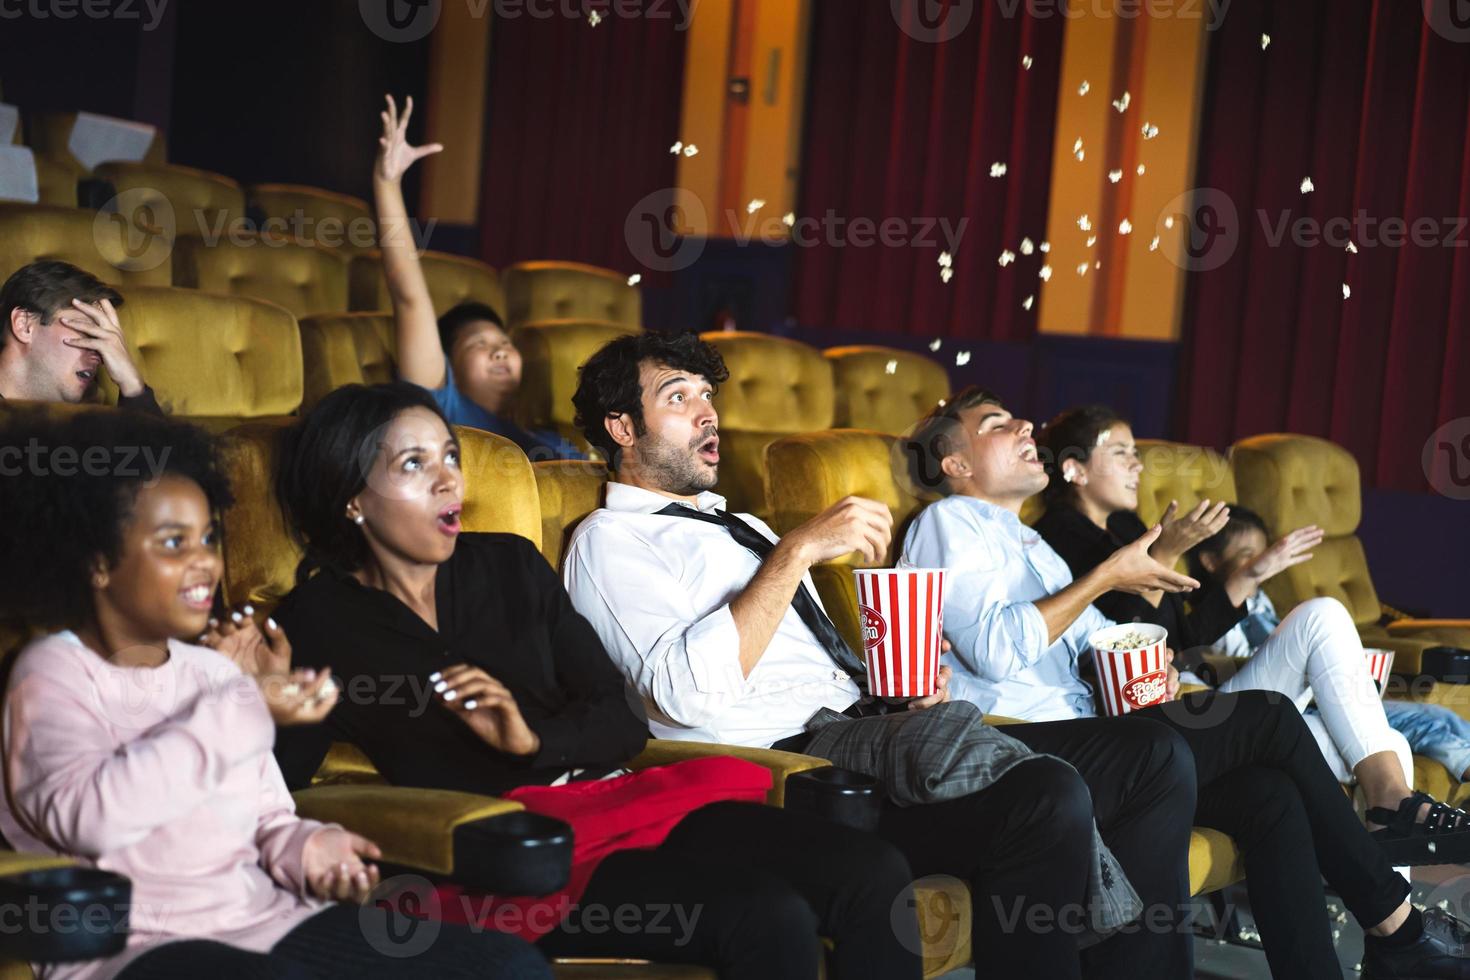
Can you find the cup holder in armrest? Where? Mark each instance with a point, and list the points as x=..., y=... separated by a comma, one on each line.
x=520, y=853
x=841, y=795
x=63, y=914
x=1448, y=665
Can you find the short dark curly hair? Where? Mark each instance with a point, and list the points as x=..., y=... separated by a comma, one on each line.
x=608, y=383
x=323, y=461
x=68, y=483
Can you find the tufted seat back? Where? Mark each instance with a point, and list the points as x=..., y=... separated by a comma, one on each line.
x=100, y=243
x=261, y=556
x=199, y=202
x=814, y=470
x=1292, y=481
x=536, y=291
x=344, y=348
x=210, y=356
x=884, y=389
x=452, y=279
x=1178, y=471
x=569, y=490
x=552, y=352
x=49, y=134
x=330, y=219
x=777, y=387
x=306, y=279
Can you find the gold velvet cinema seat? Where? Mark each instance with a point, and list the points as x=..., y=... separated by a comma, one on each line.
x=106, y=245
x=777, y=387
x=306, y=279
x=536, y=291
x=49, y=134
x=452, y=279
x=884, y=389
x=334, y=220
x=56, y=182
x=217, y=360
x=552, y=352
x=202, y=203
x=344, y=348
x=1292, y=481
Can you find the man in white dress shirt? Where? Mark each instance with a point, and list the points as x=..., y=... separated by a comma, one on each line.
x=1018, y=625
x=726, y=641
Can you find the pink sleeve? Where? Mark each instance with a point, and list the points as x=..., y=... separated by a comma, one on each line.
x=281, y=836
x=87, y=796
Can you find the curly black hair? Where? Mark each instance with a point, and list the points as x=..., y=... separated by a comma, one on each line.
x=608, y=383
x=323, y=461
x=68, y=483
x=1071, y=435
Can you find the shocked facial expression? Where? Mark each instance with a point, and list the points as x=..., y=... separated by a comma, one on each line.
x=679, y=448
x=411, y=505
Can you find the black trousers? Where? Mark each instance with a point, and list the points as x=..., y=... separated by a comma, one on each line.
x=752, y=889
x=339, y=944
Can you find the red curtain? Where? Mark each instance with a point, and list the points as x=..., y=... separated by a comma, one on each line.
x=904, y=122
x=581, y=119
x=1368, y=99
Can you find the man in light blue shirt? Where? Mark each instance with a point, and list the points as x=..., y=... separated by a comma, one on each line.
x=1018, y=625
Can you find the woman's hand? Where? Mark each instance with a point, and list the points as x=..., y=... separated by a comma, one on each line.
x=1179, y=534
x=487, y=706
x=334, y=866
x=256, y=652
x=395, y=156
x=302, y=697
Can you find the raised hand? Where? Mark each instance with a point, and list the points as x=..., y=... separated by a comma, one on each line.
x=487, y=706
x=1179, y=534
x=101, y=331
x=1132, y=568
x=852, y=524
x=395, y=156
x=1293, y=549
x=334, y=866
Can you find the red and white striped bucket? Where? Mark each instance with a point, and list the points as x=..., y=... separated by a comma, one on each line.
x=902, y=612
x=1380, y=665
x=1131, y=678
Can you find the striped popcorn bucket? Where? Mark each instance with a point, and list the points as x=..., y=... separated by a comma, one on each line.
x=902, y=612
x=1380, y=664
x=1134, y=676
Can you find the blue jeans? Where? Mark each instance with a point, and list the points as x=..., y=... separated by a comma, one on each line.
x=1433, y=731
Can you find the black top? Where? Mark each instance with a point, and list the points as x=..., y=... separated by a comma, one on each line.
x=143, y=401
x=500, y=607
x=1083, y=546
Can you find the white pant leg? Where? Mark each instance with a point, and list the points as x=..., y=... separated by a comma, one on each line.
x=1339, y=765
x=1315, y=652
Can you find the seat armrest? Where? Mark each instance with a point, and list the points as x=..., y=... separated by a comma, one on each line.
x=663, y=751
x=481, y=841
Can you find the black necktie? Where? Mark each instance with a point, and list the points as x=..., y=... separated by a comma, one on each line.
x=806, y=607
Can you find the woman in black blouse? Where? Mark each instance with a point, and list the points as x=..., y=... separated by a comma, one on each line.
x=1094, y=466
x=465, y=667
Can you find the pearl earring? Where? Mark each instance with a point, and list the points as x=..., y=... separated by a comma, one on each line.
x=359, y=520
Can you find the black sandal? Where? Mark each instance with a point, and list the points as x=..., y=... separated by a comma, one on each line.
x=1443, y=837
